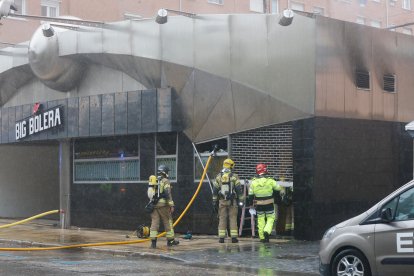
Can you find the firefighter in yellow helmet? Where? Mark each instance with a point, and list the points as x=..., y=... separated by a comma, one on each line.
x=261, y=193
x=227, y=196
x=159, y=193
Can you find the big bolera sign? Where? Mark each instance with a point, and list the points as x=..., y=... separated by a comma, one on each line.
x=39, y=122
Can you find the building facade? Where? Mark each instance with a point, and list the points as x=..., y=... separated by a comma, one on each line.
x=324, y=104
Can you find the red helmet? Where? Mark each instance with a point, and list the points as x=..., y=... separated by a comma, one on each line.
x=261, y=169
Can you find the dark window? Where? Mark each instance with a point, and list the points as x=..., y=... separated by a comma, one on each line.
x=389, y=83
x=362, y=79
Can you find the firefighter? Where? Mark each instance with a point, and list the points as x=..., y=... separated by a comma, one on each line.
x=261, y=193
x=227, y=196
x=159, y=193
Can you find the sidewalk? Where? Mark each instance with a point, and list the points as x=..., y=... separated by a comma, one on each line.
x=290, y=255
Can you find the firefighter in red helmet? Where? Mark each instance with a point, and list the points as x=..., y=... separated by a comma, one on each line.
x=261, y=193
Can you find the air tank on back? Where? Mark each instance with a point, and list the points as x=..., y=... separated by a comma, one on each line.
x=58, y=73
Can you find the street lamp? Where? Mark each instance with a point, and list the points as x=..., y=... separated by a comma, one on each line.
x=162, y=15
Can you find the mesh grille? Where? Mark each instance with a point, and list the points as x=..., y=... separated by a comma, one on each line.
x=362, y=80
x=389, y=83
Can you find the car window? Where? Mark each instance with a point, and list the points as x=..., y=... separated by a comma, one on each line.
x=404, y=210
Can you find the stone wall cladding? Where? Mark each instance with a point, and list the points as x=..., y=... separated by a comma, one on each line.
x=271, y=145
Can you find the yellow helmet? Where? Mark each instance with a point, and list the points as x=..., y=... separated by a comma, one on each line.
x=152, y=180
x=228, y=164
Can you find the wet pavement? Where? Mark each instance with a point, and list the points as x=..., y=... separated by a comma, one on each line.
x=249, y=256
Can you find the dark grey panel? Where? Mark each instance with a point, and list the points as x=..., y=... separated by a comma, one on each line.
x=73, y=117
x=12, y=123
x=134, y=112
x=19, y=113
x=63, y=131
x=84, y=110
x=42, y=135
x=4, y=125
x=27, y=112
x=121, y=113
x=95, y=115
x=108, y=114
x=52, y=133
x=149, y=111
x=164, y=120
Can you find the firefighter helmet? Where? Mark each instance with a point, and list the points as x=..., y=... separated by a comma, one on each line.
x=162, y=169
x=152, y=181
x=261, y=169
x=228, y=164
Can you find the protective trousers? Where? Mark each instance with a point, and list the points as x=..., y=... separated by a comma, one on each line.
x=227, y=210
x=161, y=213
x=265, y=221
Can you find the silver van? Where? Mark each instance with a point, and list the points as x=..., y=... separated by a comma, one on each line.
x=377, y=242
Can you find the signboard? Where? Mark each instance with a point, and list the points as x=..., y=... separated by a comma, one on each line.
x=40, y=121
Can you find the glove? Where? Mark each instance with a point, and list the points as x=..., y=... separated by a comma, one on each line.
x=252, y=211
x=215, y=207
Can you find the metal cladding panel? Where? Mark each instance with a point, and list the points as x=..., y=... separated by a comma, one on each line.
x=87, y=42
x=249, y=47
x=19, y=113
x=53, y=133
x=20, y=56
x=183, y=107
x=121, y=113
x=164, y=120
x=108, y=118
x=68, y=43
x=42, y=135
x=73, y=117
x=149, y=111
x=4, y=125
x=212, y=41
x=12, y=121
x=116, y=37
x=84, y=111
x=27, y=112
x=178, y=45
x=145, y=39
x=95, y=120
x=134, y=112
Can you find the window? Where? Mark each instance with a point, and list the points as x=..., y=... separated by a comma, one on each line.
x=319, y=10
x=108, y=160
x=389, y=83
x=376, y=23
x=402, y=207
x=406, y=4
x=362, y=3
x=204, y=150
x=407, y=31
x=360, y=20
x=166, y=152
x=218, y=2
x=50, y=8
x=297, y=6
x=275, y=6
x=362, y=79
x=21, y=7
x=256, y=6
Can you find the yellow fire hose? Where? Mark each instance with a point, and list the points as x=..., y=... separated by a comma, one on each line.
x=105, y=243
x=29, y=219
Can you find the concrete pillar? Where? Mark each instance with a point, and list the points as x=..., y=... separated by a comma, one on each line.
x=64, y=182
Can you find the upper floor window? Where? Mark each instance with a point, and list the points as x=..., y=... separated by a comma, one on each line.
x=275, y=6
x=376, y=23
x=362, y=3
x=360, y=20
x=21, y=7
x=406, y=4
x=319, y=10
x=218, y=2
x=297, y=6
x=256, y=6
x=50, y=8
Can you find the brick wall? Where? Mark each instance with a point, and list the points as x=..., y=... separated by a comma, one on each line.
x=271, y=145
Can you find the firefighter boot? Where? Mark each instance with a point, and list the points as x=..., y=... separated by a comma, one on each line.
x=234, y=240
x=221, y=240
x=266, y=239
x=154, y=243
x=172, y=242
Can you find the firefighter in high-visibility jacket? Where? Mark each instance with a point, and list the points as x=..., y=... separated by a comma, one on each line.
x=227, y=197
x=160, y=194
x=261, y=193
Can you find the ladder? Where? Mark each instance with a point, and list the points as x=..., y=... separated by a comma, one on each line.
x=243, y=216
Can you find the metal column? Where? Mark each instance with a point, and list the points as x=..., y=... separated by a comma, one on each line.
x=64, y=182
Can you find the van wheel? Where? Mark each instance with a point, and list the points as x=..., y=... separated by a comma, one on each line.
x=350, y=262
